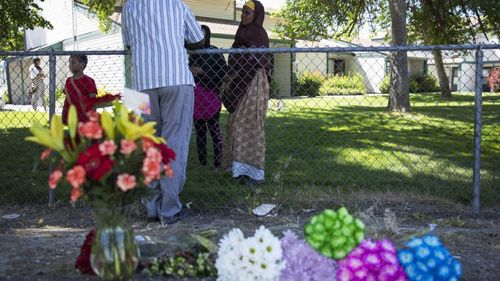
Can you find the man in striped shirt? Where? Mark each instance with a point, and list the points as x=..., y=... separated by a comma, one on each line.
x=157, y=32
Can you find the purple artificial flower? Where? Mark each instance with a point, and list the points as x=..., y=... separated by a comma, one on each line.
x=371, y=260
x=303, y=263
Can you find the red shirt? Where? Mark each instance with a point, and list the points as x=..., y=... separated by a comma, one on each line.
x=87, y=90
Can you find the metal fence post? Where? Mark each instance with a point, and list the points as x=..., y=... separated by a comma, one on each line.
x=476, y=175
x=52, y=106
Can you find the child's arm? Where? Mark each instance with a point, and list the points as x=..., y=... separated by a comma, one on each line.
x=92, y=91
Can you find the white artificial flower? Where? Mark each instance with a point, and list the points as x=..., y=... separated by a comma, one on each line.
x=230, y=241
x=263, y=234
x=256, y=258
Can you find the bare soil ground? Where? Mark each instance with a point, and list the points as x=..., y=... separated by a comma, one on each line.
x=43, y=243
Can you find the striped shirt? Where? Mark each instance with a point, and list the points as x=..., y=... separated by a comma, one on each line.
x=155, y=31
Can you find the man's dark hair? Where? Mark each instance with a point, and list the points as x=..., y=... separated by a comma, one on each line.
x=36, y=60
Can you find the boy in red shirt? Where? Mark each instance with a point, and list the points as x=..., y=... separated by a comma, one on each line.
x=80, y=90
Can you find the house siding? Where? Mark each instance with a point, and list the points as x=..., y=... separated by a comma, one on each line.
x=216, y=9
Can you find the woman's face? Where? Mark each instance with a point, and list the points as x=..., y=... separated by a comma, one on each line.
x=247, y=16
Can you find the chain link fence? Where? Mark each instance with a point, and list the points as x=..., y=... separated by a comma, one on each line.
x=327, y=129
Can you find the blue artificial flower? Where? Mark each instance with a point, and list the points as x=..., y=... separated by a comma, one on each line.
x=432, y=241
x=426, y=259
x=423, y=252
x=431, y=263
x=405, y=256
x=415, y=242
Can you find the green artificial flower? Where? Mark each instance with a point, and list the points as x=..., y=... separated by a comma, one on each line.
x=334, y=234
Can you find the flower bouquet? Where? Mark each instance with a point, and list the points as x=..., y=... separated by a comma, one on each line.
x=108, y=161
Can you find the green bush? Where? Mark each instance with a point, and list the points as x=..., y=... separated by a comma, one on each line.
x=5, y=98
x=60, y=96
x=424, y=83
x=418, y=84
x=308, y=84
x=343, y=85
x=385, y=86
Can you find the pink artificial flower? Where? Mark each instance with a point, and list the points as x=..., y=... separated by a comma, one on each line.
x=126, y=182
x=45, y=154
x=371, y=260
x=76, y=177
x=108, y=147
x=90, y=130
x=127, y=147
x=54, y=178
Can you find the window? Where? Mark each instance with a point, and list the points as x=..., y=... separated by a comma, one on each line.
x=336, y=67
x=339, y=67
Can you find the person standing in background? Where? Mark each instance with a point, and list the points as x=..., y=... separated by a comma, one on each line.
x=158, y=33
x=37, y=85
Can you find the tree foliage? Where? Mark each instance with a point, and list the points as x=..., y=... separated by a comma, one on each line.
x=317, y=19
x=16, y=15
x=103, y=9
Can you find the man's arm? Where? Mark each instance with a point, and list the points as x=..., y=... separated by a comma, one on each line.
x=195, y=46
x=194, y=37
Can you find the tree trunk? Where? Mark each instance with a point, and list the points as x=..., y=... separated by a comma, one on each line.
x=444, y=83
x=399, y=95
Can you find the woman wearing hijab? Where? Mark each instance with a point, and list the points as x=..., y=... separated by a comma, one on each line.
x=208, y=71
x=246, y=96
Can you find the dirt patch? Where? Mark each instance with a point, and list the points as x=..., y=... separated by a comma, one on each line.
x=43, y=243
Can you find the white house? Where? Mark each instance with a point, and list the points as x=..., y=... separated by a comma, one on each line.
x=75, y=29
x=460, y=66
x=372, y=66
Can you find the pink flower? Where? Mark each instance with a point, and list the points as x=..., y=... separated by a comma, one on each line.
x=168, y=171
x=45, y=154
x=126, y=182
x=153, y=154
x=371, y=260
x=108, y=147
x=147, y=144
x=151, y=169
x=93, y=116
x=54, y=178
x=75, y=194
x=127, y=147
x=90, y=130
x=76, y=177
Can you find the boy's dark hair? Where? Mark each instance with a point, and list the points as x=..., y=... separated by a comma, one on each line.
x=36, y=60
x=82, y=59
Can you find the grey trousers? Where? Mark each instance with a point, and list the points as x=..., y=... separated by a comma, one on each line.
x=172, y=110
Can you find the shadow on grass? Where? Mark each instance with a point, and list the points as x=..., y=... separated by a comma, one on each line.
x=316, y=155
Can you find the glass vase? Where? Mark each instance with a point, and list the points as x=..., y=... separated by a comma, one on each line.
x=114, y=255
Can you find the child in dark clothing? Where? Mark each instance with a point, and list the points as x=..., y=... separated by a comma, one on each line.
x=80, y=89
x=208, y=71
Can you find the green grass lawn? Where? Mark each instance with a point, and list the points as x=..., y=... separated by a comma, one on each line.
x=319, y=149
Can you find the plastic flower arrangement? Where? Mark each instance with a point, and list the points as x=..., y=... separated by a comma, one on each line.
x=334, y=234
x=254, y=258
x=303, y=263
x=371, y=260
x=107, y=160
x=427, y=259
